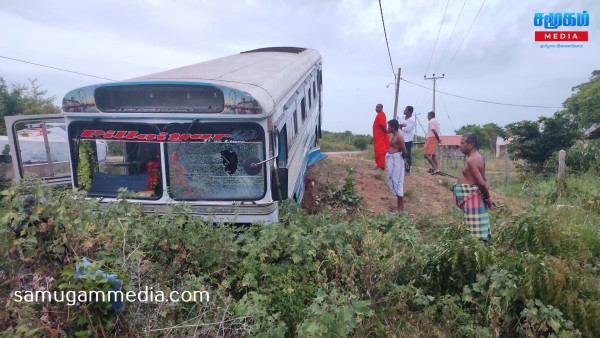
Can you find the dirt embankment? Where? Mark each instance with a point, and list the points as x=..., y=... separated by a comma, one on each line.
x=424, y=193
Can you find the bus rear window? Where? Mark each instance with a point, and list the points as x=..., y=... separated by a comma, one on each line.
x=160, y=98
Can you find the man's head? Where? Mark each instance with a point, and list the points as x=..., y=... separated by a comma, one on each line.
x=393, y=125
x=408, y=111
x=378, y=107
x=468, y=142
x=430, y=115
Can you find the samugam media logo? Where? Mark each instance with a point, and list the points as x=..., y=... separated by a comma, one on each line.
x=552, y=21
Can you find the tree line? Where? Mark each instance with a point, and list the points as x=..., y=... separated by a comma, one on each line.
x=23, y=99
x=537, y=141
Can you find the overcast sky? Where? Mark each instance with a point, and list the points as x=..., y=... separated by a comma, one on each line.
x=496, y=60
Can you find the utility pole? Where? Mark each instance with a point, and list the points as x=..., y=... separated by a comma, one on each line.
x=433, y=78
x=397, y=94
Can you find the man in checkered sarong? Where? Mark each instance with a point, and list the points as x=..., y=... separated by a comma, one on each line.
x=471, y=193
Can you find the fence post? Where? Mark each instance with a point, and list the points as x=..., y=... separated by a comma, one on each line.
x=506, y=168
x=561, y=172
x=440, y=157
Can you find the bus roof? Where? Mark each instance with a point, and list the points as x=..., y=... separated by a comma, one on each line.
x=266, y=74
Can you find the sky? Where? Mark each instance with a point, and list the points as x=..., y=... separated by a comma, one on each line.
x=484, y=48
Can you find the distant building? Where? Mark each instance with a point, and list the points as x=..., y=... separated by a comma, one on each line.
x=501, y=145
x=593, y=132
x=450, y=146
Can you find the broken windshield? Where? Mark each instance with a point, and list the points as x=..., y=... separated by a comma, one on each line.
x=214, y=162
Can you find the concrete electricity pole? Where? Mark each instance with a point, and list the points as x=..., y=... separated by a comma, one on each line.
x=433, y=78
x=397, y=93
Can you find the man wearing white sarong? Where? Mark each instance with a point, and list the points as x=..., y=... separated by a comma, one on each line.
x=396, y=165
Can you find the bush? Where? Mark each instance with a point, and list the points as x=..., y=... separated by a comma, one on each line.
x=581, y=158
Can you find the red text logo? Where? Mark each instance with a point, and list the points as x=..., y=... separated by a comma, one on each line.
x=561, y=36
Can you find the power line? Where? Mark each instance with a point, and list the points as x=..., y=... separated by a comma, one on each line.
x=484, y=101
x=447, y=114
x=438, y=35
x=451, y=34
x=64, y=70
x=386, y=41
x=465, y=37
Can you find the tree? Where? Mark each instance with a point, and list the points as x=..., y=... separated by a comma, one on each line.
x=19, y=99
x=362, y=141
x=486, y=134
x=535, y=141
x=584, y=104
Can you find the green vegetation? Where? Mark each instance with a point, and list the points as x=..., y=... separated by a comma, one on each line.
x=332, y=274
x=535, y=142
x=345, y=141
x=19, y=99
x=486, y=134
x=584, y=104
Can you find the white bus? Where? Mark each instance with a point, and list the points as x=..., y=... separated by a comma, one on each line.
x=231, y=137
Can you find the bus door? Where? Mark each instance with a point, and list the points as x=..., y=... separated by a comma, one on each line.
x=38, y=146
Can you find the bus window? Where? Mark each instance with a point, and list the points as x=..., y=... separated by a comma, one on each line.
x=296, y=123
x=282, y=156
x=303, y=107
x=104, y=165
x=216, y=168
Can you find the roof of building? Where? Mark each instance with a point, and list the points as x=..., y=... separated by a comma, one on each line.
x=593, y=131
x=453, y=140
x=502, y=142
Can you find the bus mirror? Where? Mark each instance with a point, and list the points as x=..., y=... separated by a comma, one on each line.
x=279, y=184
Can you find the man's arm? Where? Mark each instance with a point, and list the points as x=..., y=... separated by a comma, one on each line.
x=382, y=122
x=436, y=136
x=408, y=126
x=480, y=182
x=402, y=146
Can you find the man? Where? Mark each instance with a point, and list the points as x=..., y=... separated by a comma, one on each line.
x=394, y=160
x=432, y=139
x=381, y=139
x=471, y=193
x=407, y=125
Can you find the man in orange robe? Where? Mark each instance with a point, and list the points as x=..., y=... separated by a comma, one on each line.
x=381, y=138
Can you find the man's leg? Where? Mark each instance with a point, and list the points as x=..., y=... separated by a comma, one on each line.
x=400, y=203
x=429, y=159
x=435, y=163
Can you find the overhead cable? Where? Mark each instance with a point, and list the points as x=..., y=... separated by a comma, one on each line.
x=484, y=101
x=465, y=37
x=386, y=41
x=438, y=35
x=61, y=69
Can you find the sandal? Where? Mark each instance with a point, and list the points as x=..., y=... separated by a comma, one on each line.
x=430, y=170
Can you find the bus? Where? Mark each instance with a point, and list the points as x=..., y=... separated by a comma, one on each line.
x=231, y=137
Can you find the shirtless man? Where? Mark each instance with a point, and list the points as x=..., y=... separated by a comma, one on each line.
x=395, y=164
x=471, y=193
